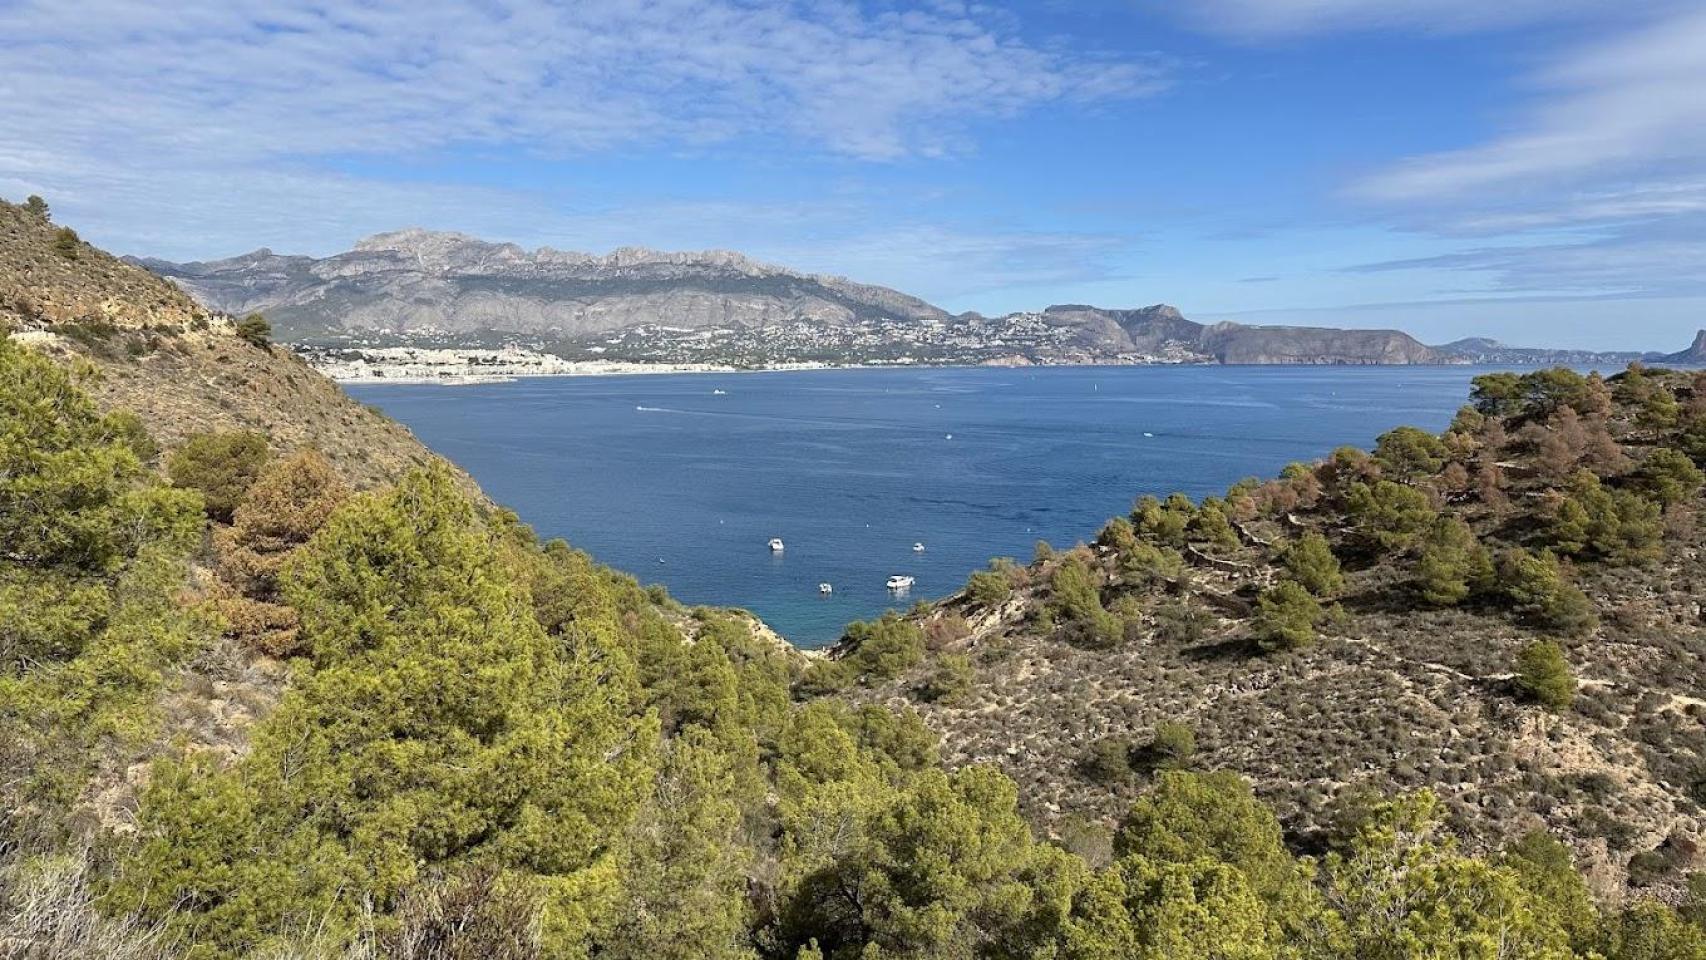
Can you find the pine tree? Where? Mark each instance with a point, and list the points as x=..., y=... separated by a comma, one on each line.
x=1286, y=616
x=1310, y=561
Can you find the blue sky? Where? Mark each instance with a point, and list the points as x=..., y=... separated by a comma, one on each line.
x=1533, y=170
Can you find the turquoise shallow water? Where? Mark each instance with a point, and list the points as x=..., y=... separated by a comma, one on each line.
x=664, y=478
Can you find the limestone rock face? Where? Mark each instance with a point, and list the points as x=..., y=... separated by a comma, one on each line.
x=1695, y=354
x=427, y=281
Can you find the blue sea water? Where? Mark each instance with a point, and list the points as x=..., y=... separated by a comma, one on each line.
x=663, y=477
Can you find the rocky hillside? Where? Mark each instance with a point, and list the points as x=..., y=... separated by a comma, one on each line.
x=418, y=280
x=447, y=285
x=1695, y=355
x=1368, y=625
x=179, y=366
x=1162, y=329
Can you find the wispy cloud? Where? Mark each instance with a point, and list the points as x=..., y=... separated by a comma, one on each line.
x=258, y=78
x=1649, y=260
x=207, y=127
x=1624, y=119
x=1266, y=19
x=1601, y=185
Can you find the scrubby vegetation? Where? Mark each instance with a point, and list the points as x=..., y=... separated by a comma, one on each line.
x=480, y=745
x=1507, y=612
x=1406, y=705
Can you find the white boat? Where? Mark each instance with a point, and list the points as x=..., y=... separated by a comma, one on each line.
x=776, y=545
x=719, y=393
x=918, y=548
x=899, y=582
x=825, y=588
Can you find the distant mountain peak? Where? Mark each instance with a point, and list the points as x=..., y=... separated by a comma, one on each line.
x=1695, y=354
x=446, y=249
x=444, y=282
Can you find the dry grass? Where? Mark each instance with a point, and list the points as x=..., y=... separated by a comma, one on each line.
x=48, y=911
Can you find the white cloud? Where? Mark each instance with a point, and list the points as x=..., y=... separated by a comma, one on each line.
x=207, y=127
x=1266, y=19
x=1599, y=185
x=1627, y=113
x=1633, y=262
x=258, y=79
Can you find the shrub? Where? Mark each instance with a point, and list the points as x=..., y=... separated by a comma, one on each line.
x=1453, y=563
x=1118, y=535
x=1543, y=674
x=950, y=681
x=1173, y=746
x=883, y=649
x=67, y=244
x=1310, y=561
x=825, y=677
x=1211, y=526
x=221, y=466
x=1163, y=523
x=478, y=914
x=1286, y=616
x=990, y=588
x=1670, y=476
x=35, y=206
x=1535, y=584
x=1108, y=761
x=1408, y=453
x=1649, y=867
x=1497, y=394
x=255, y=330
x=1619, y=526
x=1177, y=621
x=1389, y=514
x=1077, y=601
x=289, y=501
x=1146, y=565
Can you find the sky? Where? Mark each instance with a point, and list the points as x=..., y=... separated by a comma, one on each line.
x=1530, y=170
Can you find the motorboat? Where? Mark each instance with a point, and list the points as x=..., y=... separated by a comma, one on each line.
x=825, y=589
x=918, y=548
x=776, y=545
x=899, y=582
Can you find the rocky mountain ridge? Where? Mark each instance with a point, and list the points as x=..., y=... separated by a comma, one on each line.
x=1695, y=354
x=428, y=283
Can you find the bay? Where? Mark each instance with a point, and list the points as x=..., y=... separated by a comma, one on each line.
x=684, y=479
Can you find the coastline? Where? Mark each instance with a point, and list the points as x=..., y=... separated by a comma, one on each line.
x=654, y=369
x=594, y=369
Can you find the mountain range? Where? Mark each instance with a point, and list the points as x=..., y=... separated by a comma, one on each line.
x=638, y=304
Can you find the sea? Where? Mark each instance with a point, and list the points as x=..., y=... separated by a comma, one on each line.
x=865, y=474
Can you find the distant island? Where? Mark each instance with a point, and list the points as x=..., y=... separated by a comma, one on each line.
x=418, y=304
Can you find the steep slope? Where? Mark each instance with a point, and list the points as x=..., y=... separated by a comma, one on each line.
x=418, y=280
x=1160, y=329
x=178, y=365
x=1695, y=355
x=1068, y=673
x=1236, y=343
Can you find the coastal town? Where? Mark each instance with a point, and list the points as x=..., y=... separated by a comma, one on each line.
x=1023, y=339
